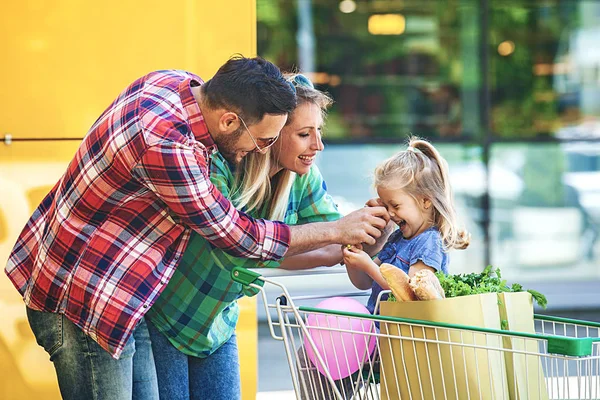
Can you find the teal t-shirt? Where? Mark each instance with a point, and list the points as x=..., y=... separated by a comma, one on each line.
x=197, y=310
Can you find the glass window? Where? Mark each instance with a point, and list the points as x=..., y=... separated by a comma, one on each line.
x=397, y=68
x=546, y=210
x=545, y=68
x=393, y=67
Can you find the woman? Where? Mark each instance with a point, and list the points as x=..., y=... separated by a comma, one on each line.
x=192, y=323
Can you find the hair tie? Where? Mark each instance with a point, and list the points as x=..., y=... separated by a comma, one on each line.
x=410, y=148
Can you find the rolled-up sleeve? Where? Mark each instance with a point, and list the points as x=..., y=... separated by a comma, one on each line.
x=178, y=175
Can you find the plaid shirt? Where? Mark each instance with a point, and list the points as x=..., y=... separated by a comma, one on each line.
x=104, y=242
x=198, y=311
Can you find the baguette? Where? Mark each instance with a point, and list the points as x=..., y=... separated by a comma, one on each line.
x=427, y=286
x=398, y=282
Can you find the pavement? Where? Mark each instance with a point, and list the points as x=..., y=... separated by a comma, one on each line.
x=281, y=395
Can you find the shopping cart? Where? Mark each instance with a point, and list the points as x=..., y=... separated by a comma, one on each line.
x=416, y=359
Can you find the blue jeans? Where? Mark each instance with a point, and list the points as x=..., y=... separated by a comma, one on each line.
x=183, y=377
x=87, y=371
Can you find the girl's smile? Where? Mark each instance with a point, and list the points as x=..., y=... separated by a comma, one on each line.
x=413, y=216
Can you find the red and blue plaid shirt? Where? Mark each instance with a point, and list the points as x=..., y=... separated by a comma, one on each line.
x=104, y=242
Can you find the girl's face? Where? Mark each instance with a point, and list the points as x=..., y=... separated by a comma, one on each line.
x=412, y=216
x=300, y=140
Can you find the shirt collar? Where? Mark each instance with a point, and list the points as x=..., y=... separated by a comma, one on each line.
x=194, y=115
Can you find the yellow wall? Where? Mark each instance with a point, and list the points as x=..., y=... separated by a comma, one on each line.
x=63, y=62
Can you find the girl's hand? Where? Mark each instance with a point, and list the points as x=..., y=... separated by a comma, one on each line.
x=355, y=257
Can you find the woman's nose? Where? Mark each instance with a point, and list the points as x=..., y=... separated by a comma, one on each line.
x=318, y=142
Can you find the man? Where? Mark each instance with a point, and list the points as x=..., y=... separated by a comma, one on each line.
x=104, y=242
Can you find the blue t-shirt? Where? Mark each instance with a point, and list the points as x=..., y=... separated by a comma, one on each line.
x=426, y=247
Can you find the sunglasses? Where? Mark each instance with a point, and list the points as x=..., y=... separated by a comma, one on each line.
x=300, y=80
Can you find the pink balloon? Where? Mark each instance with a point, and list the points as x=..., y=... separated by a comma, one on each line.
x=342, y=351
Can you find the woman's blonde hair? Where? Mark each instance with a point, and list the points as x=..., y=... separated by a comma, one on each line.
x=422, y=172
x=252, y=186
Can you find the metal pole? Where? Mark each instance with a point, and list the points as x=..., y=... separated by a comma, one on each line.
x=485, y=110
x=305, y=37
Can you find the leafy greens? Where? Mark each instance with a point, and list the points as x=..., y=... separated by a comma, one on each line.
x=489, y=281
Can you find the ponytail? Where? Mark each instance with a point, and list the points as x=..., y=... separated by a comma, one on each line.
x=421, y=171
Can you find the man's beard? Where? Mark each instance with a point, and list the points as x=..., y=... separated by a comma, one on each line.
x=226, y=144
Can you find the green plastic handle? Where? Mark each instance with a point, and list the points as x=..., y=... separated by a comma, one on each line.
x=246, y=277
x=564, y=345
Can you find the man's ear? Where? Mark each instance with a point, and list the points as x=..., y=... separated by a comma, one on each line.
x=229, y=122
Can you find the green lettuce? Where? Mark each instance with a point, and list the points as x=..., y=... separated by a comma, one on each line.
x=489, y=281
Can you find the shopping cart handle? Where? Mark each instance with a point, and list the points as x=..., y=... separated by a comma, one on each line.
x=247, y=277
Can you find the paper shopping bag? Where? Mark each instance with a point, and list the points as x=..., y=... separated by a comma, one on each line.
x=457, y=364
x=524, y=371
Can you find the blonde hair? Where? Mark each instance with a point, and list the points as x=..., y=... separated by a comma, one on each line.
x=251, y=183
x=252, y=186
x=422, y=172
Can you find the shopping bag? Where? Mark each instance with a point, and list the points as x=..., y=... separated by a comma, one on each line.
x=461, y=364
x=524, y=371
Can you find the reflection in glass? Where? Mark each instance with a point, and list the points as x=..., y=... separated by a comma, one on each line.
x=542, y=75
x=544, y=69
x=393, y=67
x=547, y=227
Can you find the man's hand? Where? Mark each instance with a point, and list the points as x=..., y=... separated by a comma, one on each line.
x=374, y=202
x=373, y=250
x=385, y=234
x=362, y=226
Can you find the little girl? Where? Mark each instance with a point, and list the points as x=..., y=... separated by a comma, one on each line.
x=414, y=187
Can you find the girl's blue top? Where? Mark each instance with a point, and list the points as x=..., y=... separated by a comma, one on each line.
x=426, y=247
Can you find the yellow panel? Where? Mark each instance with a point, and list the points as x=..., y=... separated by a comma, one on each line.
x=63, y=62
x=247, y=340
x=26, y=170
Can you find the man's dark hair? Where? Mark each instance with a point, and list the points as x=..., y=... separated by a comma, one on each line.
x=252, y=87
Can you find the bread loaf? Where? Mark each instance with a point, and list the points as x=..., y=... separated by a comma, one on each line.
x=427, y=286
x=398, y=281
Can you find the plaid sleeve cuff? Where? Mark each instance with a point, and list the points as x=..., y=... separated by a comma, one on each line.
x=276, y=241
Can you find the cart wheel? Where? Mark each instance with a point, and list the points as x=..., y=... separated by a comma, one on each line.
x=283, y=300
